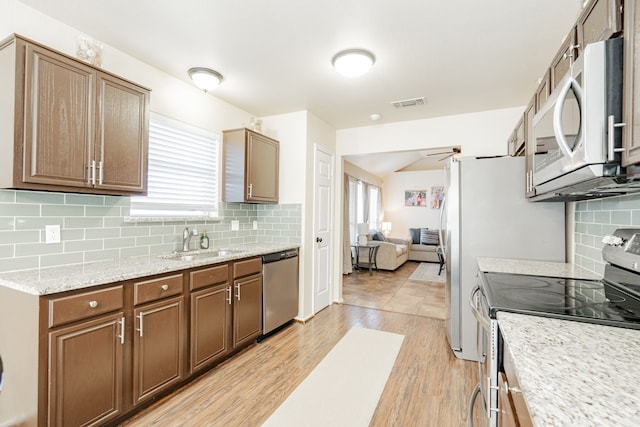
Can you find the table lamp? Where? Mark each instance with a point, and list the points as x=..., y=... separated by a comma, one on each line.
x=363, y=229
x=386, y=228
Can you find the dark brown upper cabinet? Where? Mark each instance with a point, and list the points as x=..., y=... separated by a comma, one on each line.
x=599, y=20
x=561, y=63
x=631, y=112
x=250, y=167
x=69, y=126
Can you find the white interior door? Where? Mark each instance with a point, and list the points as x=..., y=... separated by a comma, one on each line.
x=322, y=267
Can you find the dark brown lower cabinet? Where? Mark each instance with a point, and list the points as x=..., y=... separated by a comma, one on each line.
x=109, y=350
x=247, y=309
x=210, y=325
x=85, y=362
x=158, y=347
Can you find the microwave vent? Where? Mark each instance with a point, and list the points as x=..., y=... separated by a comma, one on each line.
x=413, y=102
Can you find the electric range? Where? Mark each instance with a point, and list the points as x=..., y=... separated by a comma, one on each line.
x=613, y=301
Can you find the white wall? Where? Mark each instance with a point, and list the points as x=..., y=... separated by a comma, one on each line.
x=479, y=134
x=291, y=132
x=356, y=172
x=404, y=217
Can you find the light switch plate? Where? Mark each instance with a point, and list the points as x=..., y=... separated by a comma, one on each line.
x=235, y=225
x=52, y=234
x=255, y=225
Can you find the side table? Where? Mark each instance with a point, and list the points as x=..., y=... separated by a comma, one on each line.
x=372, y=254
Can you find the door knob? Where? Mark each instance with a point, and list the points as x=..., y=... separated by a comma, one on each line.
x=318, y=239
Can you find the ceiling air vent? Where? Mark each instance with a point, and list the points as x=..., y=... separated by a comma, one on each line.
x=409, y=102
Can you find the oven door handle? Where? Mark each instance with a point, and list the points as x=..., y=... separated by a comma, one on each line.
x=472, y=402
x=482, y=320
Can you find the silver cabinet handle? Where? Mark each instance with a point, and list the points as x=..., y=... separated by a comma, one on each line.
x=238, y=291
x=229, y=295
x=121, y=330
x=164, y=287
x=93, y=304
x=571, y=55
x=140, y=317
x=611, y=149
x=101, y=172
x=92, y=173
x=250, y=193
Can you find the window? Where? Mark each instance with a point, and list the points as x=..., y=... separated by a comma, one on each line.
x=182, y=172
x=365, y=205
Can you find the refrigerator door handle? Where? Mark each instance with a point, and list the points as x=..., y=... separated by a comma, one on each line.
x=440, y=232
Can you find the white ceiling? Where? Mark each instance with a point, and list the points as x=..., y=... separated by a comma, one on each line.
x=462, y=56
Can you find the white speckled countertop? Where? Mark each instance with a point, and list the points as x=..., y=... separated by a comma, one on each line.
x=574, y=373
x=538, y=268
x=51, y=280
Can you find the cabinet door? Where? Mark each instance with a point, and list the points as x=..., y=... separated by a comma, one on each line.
x=631, y=154
x=262, y=168
x=247, y=309
x=158, y=347
x=599, y=21
x=59, y=100
x=122, y=134
x=530, y=148
x=562, y=62
x=543, y=91
x=85, y=369
x=210, y=325
x=506, y=416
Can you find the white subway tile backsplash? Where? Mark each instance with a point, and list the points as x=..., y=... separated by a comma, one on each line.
x=97, y=228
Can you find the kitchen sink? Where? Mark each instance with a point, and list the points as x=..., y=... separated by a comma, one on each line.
x=186, y=256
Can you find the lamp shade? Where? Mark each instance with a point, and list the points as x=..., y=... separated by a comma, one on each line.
x=205, y=78
x=363, y=228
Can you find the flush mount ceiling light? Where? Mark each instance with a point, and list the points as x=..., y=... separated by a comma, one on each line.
x=353, y=62
x=205, y=78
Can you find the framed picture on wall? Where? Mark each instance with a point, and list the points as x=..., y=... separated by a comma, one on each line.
x=415, y=198
x=437, y=195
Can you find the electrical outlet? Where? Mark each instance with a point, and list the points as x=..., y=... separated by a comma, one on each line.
x=52, y=234
x=235, y=225
x=255, y=225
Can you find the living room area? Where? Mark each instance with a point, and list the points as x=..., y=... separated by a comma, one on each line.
x=391, y=258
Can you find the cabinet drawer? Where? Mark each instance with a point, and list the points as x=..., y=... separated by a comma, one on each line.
x=155, y=289
x=247, y=267
x=88, y=304
x=208, y=276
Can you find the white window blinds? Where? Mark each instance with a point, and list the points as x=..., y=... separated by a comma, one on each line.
x=182, y=173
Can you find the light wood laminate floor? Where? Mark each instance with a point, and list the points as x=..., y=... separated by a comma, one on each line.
x=428, y=386
x=393, y=291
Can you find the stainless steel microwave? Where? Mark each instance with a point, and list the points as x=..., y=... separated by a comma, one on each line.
x=577, y=134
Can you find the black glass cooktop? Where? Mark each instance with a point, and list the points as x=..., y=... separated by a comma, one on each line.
x=594, y=301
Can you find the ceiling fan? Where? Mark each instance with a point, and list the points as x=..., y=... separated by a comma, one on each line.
x=448, y=153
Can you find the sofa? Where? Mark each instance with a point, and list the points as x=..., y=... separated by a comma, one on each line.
x=392, y=251
x=423, y=245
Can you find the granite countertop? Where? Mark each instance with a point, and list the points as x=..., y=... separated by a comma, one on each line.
x=44, y=281
x=538, y=268
x=573, y=373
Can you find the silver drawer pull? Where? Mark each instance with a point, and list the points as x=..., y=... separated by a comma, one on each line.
x=164, y=287
x=93, y=304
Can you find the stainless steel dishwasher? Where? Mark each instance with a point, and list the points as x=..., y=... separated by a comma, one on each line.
x=279, y=289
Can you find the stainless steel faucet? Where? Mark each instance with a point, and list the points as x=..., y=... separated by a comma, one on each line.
x=186, y=238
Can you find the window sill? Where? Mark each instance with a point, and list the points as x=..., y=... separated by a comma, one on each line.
x=143, y=219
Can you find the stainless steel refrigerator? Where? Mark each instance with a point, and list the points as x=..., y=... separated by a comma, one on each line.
x=486, y=214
